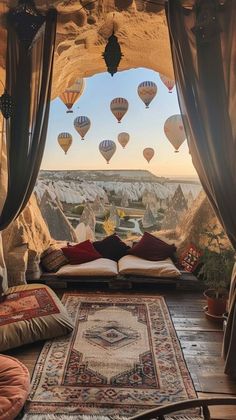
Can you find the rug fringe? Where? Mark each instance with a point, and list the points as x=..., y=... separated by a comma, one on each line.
x=69, y=417
x=78, y=417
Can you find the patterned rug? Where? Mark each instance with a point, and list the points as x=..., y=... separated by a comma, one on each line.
x=122, y=358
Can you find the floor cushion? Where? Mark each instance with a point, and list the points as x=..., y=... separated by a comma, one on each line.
x=152, y=248
x=138, y=266
x=99, y=268
x=111, y=247
x=14, y=387
x=30, y=313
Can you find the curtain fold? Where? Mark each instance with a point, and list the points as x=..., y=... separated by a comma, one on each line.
x=203, y=45
x=206, y=85
x=28, y=81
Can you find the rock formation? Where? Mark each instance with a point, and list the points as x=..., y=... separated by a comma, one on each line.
x=58, y=225
x=84, y=27
x=148, y=218
x=124, y=200
x=179, y=202
x=198, y=219
x=88, y=217
x=23, y=242
x=190, y=199
x=84, y=232
x=114, y=216
x=98, y=208
x=171, y=219
x=149, y=198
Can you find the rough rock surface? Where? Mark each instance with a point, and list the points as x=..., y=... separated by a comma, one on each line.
x=199, y=218
x=58, y=224
x=83, y=30
x=148, y=219
x=23, y=242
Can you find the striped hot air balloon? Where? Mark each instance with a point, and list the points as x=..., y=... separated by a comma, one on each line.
x=123, y=139
x=174, y=131
x=148, y=153
x=107, y=149
x=147, y=92
x=82, y=125
x=119, y=107
x=169, y=83
x=72, y=94
x=65, y=141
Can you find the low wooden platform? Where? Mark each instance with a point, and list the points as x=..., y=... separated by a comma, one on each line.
x=186, y=280
x=200, y=339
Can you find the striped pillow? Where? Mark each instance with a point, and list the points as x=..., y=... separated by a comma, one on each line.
x=52, y=259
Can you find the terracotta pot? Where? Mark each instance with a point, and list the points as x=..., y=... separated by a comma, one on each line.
x=215, y=306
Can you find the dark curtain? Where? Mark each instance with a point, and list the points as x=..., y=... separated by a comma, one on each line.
x=203, y=44
x=28, y=81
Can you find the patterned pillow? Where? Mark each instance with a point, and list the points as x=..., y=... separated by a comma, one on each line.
x=52, y=259
x=190, y=258
x=30, y=313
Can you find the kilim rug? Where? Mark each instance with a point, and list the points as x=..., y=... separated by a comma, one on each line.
x=122, y=358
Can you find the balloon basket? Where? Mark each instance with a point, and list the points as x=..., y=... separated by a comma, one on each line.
x=147, y=107
x=69, y=111
x=176, y=151
x=119, y=122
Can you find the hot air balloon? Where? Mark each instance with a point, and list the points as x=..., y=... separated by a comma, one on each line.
x=123, y=139
x=148, y=153
x=107, y=149
x=147, y=92
x=65, y=141
x=82, y=125
x=119, y=107
x=174, y=131
x=72, y=94
x=169, y=83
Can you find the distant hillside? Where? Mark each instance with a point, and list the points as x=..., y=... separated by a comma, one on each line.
x=120, y=175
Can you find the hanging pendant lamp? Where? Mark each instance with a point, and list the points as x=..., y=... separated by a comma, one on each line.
x=27, y=21
x=112, y=54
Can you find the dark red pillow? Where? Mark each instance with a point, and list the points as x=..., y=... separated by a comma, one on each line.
x=151, y=248
x=112, y=247
x=81, y=253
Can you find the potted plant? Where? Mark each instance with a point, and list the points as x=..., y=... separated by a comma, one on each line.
x=217, y=264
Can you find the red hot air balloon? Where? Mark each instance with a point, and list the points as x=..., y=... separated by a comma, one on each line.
x=72, y=94
x=119, y=107
x=169, y=83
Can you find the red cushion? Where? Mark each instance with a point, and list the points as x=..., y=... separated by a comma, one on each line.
x=151, y=248
x=81, y=253
x=112, y=247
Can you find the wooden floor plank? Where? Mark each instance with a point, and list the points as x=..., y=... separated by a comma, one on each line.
x=200, y=339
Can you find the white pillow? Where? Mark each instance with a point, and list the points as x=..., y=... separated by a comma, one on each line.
x=101, y=267
x=135, y=265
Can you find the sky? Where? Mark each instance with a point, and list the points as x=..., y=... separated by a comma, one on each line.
x=145, y=127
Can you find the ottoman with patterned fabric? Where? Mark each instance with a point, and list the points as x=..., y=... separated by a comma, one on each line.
x=14, y=387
